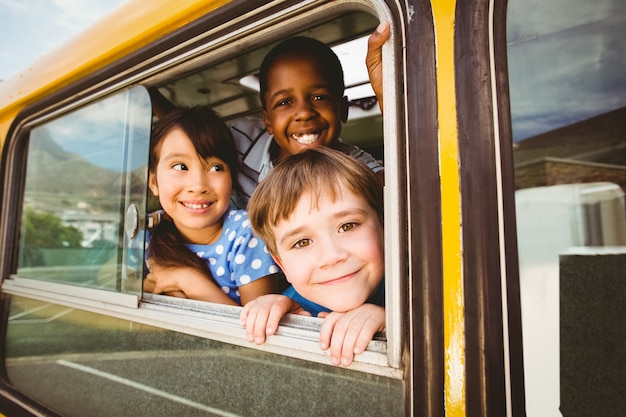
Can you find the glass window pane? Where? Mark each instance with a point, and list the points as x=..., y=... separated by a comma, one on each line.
x=568, y=98
x=86, y=364
x=83, y=171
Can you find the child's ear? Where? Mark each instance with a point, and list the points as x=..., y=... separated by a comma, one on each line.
x=268, y=123
x=343, y=110
x=277, y=260
x=152, y=183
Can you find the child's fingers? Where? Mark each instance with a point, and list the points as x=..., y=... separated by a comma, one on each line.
x=365, y=336
x=332, y=335
x=179, y=294
x=326, y=332
x=373, y=59
x=256, y=328
x=256, y=322
x=261, y=316
x=149, y=283
x=345, y=335
x=276, y=313
x=349, y=334
x=157, y=287
x=379, y=36
x=243, y=316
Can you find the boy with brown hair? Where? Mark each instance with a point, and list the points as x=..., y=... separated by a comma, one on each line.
x=326, y=233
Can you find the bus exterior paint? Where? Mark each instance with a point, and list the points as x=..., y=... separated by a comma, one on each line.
x=459, y=276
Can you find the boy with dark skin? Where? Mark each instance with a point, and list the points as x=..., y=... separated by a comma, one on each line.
x=302, y=93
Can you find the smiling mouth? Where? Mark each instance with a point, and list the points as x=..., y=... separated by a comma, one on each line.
x=196, y=206
x=306, y=138
x=340, y=280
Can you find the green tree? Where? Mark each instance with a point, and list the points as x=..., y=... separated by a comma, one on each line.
x=44, y=230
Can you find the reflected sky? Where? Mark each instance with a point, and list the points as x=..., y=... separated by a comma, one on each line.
x=567, y=62
x=97, y=132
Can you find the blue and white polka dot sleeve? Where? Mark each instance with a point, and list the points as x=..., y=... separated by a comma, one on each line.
x=251, y=259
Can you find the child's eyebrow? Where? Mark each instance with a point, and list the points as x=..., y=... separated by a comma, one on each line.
x=174, y=155
x=289, y=234
x=178, y=155
x=284, y=91
x=288, y=91
x=324, y=86
x=350, y=212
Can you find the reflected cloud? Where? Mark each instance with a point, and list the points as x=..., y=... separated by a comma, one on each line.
x=564, y=67
x=98, y=132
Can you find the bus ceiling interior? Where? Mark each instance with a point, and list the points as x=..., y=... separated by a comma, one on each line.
x=230, y=86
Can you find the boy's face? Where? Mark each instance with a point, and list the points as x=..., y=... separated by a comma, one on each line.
x=332, y=251
x=302, y=109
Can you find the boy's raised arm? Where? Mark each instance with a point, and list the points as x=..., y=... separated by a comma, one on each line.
x=374, y=59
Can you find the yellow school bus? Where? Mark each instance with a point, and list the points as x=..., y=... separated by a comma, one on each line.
x=503, y=139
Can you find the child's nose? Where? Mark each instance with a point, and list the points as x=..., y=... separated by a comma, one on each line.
x=197, y=182
x=305, y=110
x=331, y=252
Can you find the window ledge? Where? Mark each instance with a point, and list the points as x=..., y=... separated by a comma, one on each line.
x=297, y=336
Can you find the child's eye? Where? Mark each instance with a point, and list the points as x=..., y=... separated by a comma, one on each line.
x=217, y=168
x=321, y=97
x=346, y=227
x=180, y=167
x=302, y=243
x=282, y=102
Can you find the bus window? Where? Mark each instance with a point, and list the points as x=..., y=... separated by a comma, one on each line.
x=568, y=105
x=86, y=194
x=169, y=355
x=229, y=84
x=83, y=172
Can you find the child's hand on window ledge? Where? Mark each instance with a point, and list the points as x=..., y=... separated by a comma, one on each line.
x=260, y=317
x=348, y=334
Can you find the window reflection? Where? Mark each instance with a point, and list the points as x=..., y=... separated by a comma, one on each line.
x=566, y=62
x=82, y=170
x=568, y=105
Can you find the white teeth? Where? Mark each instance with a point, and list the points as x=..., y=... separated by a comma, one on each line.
x=196, y=206
x=305, y=138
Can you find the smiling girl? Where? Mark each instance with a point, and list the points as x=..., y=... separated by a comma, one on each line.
x=193, y=172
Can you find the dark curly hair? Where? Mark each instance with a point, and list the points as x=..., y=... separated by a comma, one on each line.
x=302, y=46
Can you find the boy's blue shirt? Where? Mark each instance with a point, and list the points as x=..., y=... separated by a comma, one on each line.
x=378, y=299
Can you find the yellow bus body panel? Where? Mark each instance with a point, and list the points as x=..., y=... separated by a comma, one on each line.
x=128, y=28
x=454, y=328
x=138, y=23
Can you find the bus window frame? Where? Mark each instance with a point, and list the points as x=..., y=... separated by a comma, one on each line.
x=382, y=358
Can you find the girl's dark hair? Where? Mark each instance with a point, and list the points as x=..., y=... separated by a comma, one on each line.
x=167, y=247
x=301, y=46
x=207, y=132
x=210, y=136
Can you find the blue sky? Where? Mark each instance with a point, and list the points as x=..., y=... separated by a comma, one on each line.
x=30, y=29
x=573, y=66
